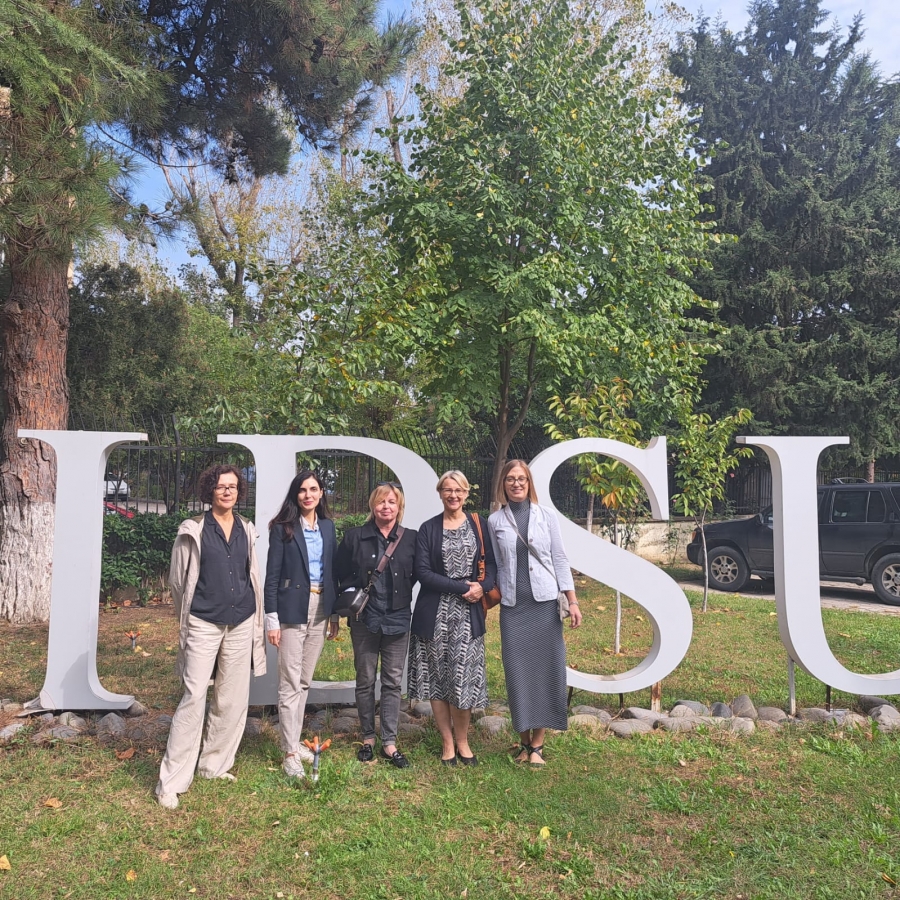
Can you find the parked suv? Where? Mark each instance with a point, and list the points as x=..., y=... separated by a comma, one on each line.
x=859, y=541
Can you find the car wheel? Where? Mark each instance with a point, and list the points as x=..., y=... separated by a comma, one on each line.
x=886, y=579
x=728, y=569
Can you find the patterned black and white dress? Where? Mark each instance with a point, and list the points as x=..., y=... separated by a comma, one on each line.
x=450, y=666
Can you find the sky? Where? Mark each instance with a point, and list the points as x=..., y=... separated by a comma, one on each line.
x=881, y=39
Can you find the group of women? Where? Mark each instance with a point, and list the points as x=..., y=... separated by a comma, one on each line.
x=456, y=557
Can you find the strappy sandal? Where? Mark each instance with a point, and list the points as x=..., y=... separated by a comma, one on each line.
x=540, y=753
x=526, y=749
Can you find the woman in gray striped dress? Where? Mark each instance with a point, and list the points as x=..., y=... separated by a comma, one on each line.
x=534, y=653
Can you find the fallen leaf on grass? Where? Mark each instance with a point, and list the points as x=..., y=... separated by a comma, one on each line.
x=773, y=614
x=843, y=634
x=192, y=890
x=125, y=754
x=5, y=865
x=145, y=653
x=884, y=875
x=639, y=618
x=682, y=763
x=53, y=803
x=544, y=833
x=164, y=856
x=131, y=875
x=601, y=608
x=276, y=822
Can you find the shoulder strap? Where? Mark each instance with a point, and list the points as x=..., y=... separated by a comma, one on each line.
x=481, y=570
x=389, y=552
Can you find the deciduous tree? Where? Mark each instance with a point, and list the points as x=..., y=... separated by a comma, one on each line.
x=547, y=219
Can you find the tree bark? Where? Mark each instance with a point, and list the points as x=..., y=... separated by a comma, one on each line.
x=870, y=470
x=34, y=323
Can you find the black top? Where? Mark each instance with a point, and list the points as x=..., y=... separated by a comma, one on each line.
x=286, y=590
x=390, y=599
x=378, y=616
x=224, y=593
x=521, y=513
x=432, y=575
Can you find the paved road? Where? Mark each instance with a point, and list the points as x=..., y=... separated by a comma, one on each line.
x=835, y=595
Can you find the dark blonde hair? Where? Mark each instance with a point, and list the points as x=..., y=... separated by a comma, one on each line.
x=381, y=491
x=454, y=475
x=501, y=497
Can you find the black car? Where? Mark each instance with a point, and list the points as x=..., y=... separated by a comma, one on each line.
x=859, y=541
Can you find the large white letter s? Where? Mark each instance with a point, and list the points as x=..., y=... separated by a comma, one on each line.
x=653, y=589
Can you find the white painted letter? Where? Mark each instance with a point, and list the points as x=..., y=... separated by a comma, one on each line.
x=656, y=592
x=71, y=681
x=796, y=534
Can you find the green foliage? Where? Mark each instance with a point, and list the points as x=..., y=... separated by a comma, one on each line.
x=138, y=348
x=353, y=520
x=329, y=345
x=136, y=550
x=806, y=175
x=602, y=413
x=548, y=219
x=67, y=66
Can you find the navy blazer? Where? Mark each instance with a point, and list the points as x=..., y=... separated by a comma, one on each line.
x=286, y=589
x=433, y=578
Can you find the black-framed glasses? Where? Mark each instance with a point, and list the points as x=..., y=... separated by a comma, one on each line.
x=391, y=484
x=522, y=479
x=227, y=488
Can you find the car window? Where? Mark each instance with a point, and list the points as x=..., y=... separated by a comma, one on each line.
x=896, y=492
x=876, y=507
x=849, y=506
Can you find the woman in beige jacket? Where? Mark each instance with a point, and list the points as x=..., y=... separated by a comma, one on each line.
x=218, y=597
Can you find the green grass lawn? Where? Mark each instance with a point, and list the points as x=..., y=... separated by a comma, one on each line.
x=803, y=813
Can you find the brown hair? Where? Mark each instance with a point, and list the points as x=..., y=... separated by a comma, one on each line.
x=209, y=478
x=501, y=497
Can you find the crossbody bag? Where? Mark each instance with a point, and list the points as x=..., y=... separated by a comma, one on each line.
x=360, y=599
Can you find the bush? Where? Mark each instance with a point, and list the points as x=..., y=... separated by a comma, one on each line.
x=354, y=520
x=136, y=551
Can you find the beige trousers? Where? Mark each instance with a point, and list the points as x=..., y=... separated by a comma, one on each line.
x=301, y=646
x=207, y=643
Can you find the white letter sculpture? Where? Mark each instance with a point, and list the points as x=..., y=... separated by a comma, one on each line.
x=71, y=681
x=796, y=534
x=657, y=593
x=276, y=466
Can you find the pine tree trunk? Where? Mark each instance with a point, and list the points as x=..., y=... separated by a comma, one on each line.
x=34, y=323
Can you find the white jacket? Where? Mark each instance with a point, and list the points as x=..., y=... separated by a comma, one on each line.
x=184, y=571
x=544, y=537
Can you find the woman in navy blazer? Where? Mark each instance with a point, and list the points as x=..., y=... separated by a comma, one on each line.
x=299, y=597
x=446, y=651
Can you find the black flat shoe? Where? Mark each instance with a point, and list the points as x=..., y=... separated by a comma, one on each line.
x=467, y=760
x=448, y=762
x=366, y=753
x=396, y=759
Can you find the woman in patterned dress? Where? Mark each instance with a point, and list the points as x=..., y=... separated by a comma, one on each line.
x=534, y=654
x=446, y=651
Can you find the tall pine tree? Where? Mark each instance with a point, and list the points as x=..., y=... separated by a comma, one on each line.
x=805, y=176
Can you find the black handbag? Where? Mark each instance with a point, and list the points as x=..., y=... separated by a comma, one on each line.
x=358, y=600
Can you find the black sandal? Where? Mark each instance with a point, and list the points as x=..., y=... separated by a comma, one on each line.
x=540, y=753
x=526, y=749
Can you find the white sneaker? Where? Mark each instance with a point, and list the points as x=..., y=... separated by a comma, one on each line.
x=293, y=767
x=305, y=753
x=168, y=801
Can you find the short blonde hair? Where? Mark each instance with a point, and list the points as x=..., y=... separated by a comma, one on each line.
x=454, y=475
x=380, y=493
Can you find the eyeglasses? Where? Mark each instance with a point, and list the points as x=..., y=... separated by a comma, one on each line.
x=451, y=491
x=522, y=479
x=391, y=484
x=227, y=488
